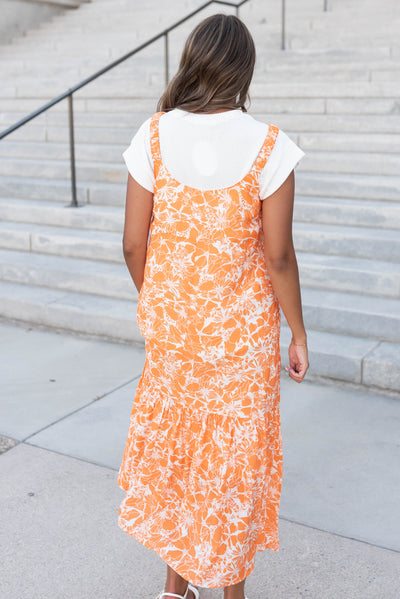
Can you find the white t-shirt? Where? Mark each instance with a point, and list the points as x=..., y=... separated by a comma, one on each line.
x=211, y=151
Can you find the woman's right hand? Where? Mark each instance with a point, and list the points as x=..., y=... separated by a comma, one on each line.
x=298, y=361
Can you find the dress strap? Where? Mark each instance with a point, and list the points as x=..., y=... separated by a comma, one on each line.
x=264, y=153
x=155, y=141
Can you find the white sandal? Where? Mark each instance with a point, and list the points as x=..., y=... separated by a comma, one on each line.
x=190, y=587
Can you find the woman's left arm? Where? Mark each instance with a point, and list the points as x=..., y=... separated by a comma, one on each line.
x=138, y=211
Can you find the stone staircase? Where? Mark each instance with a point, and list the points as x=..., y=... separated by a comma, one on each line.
x=335, y=91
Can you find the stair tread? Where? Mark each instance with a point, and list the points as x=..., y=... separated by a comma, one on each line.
x=63, y=263
x=352, y=302
x=348, y=263
x=112, y=307
x=49, y=204
x=51, y=230
x=349, y=231
x=346, y=202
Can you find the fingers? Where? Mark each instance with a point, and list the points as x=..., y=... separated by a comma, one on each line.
x=299, y=375
x=298, y=362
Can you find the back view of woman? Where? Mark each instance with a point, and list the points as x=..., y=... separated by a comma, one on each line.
x=214, y=187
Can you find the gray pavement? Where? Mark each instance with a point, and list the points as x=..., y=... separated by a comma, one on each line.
x=65, y=403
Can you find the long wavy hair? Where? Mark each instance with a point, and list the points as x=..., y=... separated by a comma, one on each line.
x=215, y=69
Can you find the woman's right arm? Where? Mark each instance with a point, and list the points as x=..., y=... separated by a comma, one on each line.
x=281, y=262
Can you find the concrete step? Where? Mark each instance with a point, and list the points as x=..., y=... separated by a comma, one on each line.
x=99, y=218
x=345, y=141
x=92, y=315
x=344, y=273
x=91, y=135
x=346, y=40
x=373, y=89
x=356, y=242
x=321, y=28
x=352, y=162
x=288, y=62
x=62, y=241
x=82, y=118
x=108, y=194
x=58, y=169
x=344, y=211
x=331, y=355
x=337, y=122
x=60, y=151
x=341, y=185
x=42, y=189
x=106, y=279
x=28, y=105
x=352, y=314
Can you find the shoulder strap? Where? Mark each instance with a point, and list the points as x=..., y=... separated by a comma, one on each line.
x=155, y=142
x=265, y=151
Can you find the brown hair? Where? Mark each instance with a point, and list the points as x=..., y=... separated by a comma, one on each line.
x=215, y=69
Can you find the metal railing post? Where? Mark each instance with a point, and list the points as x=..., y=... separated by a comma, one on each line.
x=283, y=43
x=74, y=201
x=325, y=4
x=237, y=10
x=166, y=56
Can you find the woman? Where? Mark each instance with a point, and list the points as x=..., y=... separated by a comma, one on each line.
x=202, y=465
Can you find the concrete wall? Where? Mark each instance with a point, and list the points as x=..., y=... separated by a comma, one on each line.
x=19, y=15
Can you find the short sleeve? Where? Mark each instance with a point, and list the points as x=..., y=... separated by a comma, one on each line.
x=285, y=156
x=138, y=158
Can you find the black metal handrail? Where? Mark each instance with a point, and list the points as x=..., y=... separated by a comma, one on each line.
x=68, y=94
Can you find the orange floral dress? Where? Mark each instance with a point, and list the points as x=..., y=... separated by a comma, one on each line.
x=202, y=465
